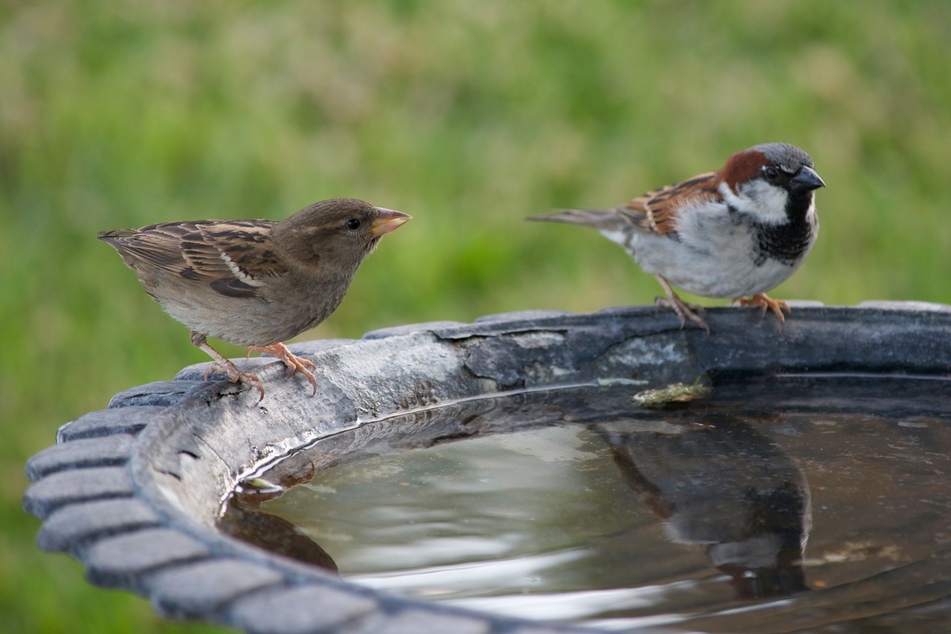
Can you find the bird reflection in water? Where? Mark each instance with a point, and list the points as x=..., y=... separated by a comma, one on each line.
x=721, y=485
x=244, y=520
x=714, y=480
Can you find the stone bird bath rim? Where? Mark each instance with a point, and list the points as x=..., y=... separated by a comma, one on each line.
x=134, y=491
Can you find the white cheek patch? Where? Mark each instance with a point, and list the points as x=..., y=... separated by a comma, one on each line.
x=765, y=202
x=238, y=272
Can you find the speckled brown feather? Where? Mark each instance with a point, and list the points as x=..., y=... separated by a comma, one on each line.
x=255, y=283
x=736, y=232
x=657, y=210
x=221, y=254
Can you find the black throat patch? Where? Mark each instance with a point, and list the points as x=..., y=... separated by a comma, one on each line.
x=786, y=242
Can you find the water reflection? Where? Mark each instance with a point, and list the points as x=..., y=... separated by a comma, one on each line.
x=580, y=506
x=274, y=534
x=714, y=481
x=719, y=484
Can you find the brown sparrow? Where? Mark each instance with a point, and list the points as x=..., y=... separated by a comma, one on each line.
x=734, y=233
x=255, y=283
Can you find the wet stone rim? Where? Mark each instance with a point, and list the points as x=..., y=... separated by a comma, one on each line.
x=133, y=491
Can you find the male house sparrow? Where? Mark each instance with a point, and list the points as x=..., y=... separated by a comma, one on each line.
x=733, y=233
x=255, y=283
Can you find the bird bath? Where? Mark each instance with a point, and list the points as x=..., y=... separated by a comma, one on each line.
x=160, y=493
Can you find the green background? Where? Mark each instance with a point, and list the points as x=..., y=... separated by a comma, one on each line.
x=468, y=115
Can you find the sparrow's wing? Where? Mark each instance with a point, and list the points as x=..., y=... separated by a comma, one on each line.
x=242, y=252
x=232, y=257
x=155, y=245
x=656, y=211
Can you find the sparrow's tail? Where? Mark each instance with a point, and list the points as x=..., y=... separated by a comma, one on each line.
x=597, y=218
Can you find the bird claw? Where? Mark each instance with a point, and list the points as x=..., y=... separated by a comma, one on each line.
x=684, y=310
x=764, y=303
x=234, y=375
x=226, y=366
x=293, y=362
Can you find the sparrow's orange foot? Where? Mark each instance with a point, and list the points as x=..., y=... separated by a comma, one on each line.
x=761, y=301
x=234, y=375
x=684, y=310
x=225, y=366
x=291, y=360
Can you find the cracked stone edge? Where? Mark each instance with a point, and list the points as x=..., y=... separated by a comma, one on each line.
x=99, y=490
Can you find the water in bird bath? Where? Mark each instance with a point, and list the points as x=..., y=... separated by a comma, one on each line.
x=766, y=505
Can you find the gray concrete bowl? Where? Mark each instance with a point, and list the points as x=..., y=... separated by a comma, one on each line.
x=134, y=491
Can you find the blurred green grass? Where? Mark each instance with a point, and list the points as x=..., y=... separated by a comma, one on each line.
x=467, y=115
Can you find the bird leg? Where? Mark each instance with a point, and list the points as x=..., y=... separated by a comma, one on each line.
x=684, y=311
x=291, y=360
x=761, y=301
x=225, y=366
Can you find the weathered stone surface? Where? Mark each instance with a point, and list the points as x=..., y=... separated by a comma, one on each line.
x=120, y=561
x=318, y=345
x=523, y=316
x=906, y=306
x=301, y=610
x=199, y=589
x=551, y=629
x=107, y=422
x=195, y=373
x=76, y=486
x=415, y=621
x=134, y=491
x=91, y=452
x=394, y=331
x=161, y=393
x=72, y=527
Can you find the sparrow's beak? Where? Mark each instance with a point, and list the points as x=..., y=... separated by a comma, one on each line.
x=806, y=180
x=387, y=220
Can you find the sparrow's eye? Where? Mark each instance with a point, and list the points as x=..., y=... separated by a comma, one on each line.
x=353, y=224
x=771, y=172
